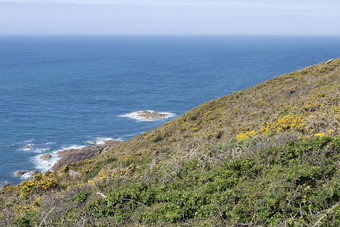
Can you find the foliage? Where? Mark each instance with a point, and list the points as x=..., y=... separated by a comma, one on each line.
x=39, y=183
x=268, y=155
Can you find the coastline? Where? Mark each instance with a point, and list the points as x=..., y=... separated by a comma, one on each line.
x=67, y=156
x=75, y=153
x=40, y=108
x=208, y=156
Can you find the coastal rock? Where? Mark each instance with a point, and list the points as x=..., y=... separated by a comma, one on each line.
x=112, y=142
x=65, y=152
x=150, y=115
x=76, y=155
x=19, y=173
x=35, y=172
x=329, y=61
x=45, y=157
x=27, y=147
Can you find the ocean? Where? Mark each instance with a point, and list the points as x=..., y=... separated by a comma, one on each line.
x=61, y=92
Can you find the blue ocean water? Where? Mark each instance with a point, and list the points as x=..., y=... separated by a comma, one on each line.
x=58, y=92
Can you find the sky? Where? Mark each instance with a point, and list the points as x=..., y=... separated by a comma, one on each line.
x=170, y=17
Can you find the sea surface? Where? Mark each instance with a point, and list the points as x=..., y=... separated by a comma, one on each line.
x=60, y=92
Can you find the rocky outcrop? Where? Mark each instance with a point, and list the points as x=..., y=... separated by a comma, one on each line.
x=45, y=157
x=35, y=172
x=76, y=155
x=150, y=115
x=27, y=147
x=19, y=173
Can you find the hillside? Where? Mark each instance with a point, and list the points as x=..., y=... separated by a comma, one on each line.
x=267, y=155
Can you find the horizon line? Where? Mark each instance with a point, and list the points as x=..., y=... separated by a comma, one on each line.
x=157, y=34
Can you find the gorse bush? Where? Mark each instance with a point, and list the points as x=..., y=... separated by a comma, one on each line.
x=39, y=183
x=264, y=156
x=282, y=184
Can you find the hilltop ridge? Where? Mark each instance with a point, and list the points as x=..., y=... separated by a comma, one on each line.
x=266, y=155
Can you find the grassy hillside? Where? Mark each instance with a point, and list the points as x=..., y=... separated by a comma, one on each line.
x=267, y=155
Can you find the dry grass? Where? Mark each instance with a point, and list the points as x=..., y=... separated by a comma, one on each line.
x=302, y=104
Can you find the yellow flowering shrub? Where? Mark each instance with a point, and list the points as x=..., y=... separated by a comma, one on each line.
x=245, y=135
x=321, y=134
x=289, y=122
x=265, y=128
x=39, y=183
x=133, y=168
x=23, y=209
x=36, y=203
x=102, y=175
x=19, y=209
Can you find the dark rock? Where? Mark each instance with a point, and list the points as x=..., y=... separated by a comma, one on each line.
x=66, y=152
x=76, y=155
x=112, y=142
x=45, y=157
x=35, y=172
x=27, y=147
x=19, y=173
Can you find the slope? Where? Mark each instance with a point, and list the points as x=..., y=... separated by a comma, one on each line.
x=265, y=155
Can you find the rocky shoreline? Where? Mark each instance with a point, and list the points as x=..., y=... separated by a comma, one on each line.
x=72, y=155
x=76, y=155
x=21, y=173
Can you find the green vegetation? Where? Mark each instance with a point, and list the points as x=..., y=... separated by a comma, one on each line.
x=268, y=155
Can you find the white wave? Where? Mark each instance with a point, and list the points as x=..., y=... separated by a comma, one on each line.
x=44, y=165
x=101, y=140
x=27, y=175
x=69, y=147
x=41, y=150
x=138, y=115
x=29, y=141
x=34, y=148
x=27, y=147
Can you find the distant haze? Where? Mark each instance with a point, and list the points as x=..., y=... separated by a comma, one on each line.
x=171, y=17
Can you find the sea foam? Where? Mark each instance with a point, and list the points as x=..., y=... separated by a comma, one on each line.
x=69, y=147
x=101, y=140
x=44, y=165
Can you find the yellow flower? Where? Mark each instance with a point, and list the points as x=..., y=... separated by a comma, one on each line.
x=245, y=135
x=321, y=134
x=91, y=182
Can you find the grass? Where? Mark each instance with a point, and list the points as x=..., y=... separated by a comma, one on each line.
x=267, y=155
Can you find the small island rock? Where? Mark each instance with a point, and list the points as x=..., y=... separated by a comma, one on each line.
x=45, y=157
x=19, y=173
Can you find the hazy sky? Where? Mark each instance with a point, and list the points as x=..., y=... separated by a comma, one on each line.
x=260, y=17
